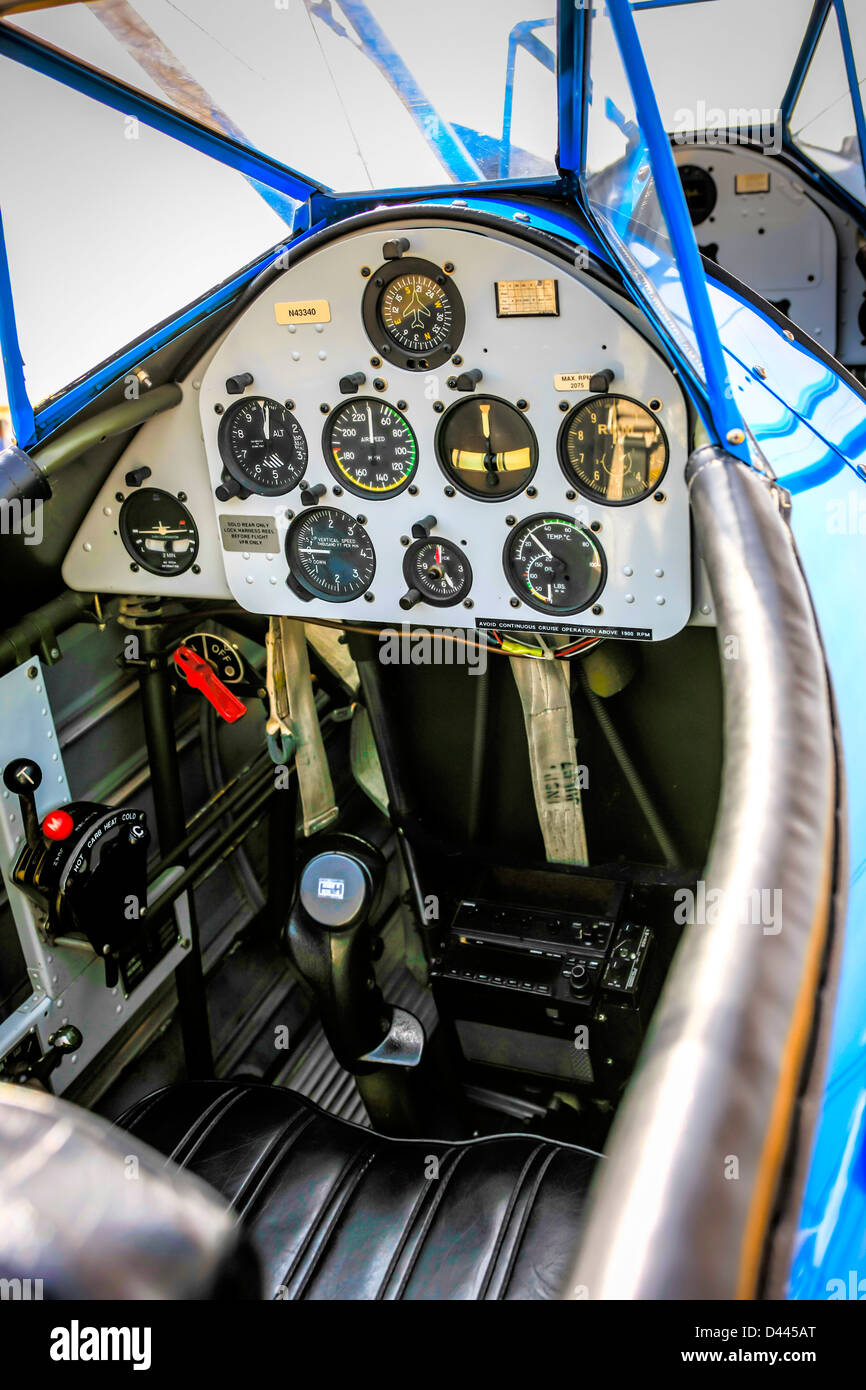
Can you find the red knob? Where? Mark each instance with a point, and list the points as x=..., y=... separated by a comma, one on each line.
x=58, y=825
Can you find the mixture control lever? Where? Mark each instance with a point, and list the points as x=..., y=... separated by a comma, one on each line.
x=61, y=1043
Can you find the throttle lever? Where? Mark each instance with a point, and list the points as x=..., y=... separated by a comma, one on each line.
x=200, y=675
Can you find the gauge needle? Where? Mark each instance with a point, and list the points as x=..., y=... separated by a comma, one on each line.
x=370, y=421
x=542, y=547
x=484, y=407
x=267, y=422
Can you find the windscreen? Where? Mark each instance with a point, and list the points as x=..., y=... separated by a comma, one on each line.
x=823, y=123
x=356, y=94
x=621, y=190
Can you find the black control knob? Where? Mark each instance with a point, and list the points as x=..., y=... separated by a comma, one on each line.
x=229, y=487
x=409, y=599
x=579, y=981
x=136, y=476
x=349, y=384
x=236, y=385
x=393, y=250
x=61, y=1043
x=311, y=495
x=23, y=776
x=422, y=529
x=467, y=381
x=600, y=381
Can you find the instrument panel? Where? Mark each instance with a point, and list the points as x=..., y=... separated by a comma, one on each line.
x=440, y=424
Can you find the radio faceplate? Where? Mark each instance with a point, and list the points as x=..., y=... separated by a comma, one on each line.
x=561, y=994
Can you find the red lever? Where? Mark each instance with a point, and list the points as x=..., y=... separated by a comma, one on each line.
x=58, y=825
x=201, y=676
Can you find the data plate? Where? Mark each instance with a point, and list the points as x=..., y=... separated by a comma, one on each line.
x=522, y=299
x=250, y=533
x=303, y=311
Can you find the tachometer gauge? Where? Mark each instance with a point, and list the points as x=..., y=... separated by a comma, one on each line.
x=613, y=450
x=158, y=531
x=487, y=448
x=370, y=448
x=330, y=555
x=437, y=571
x=554, y=565
x=413, y=313
x=262, y=446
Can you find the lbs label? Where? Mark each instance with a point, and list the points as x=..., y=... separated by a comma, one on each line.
x=303, y=311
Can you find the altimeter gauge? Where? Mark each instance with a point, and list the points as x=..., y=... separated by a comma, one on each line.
x=262, y=446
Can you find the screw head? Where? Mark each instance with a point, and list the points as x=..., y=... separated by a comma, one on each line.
x=563, y=405
x=366, y=271
x=735, y=436
x=438, y=407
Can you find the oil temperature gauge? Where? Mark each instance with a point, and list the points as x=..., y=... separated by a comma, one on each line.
x=158, y=531
x=436, y=571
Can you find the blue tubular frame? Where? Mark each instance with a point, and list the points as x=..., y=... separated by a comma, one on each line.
x=851, y=73
x=725, y=416
x=20, y=409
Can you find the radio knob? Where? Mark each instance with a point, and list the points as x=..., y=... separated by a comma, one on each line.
x=579, y=979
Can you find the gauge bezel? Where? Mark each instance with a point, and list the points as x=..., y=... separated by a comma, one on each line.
x=409, y=576
x=231, y=464
x=355, y=488
x=374, y=325
x=573, y=478
x=123, y=530
x=298, y=575
x=522, y=592
x=706, y=178
x=446, y=469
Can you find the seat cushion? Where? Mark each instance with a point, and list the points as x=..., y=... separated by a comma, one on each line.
x=338, y=1212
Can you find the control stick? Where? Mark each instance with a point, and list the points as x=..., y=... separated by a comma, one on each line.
x=332, y=941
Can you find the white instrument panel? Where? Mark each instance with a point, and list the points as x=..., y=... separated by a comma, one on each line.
x=646, y=545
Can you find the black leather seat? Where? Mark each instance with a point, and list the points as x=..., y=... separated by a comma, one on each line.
x=338, y=1212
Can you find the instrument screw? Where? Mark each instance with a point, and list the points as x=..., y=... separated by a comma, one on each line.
x=324, y=407
x=448, y=267
x=515, y=602
x=196, y=569
x=571, y=494
x=438, y=407
x=379, y=282
x=402, y=405
x=522, y=404
x=370, y=598
x=134, y=568
x=457, y=360
x=597, y=608
x=452, y=382
x=375, y=361
x=449, y=492
x=362, y=518
x=181, y=497
x=658, y=497
x=118, y=497
x=404, y=540
x=563, y=405
x=468, y=603
x=219, y=409
x=365, y=271
x=337, y=490
x=379, y=384
x=510, y=520
x=655, y=403
x=290, y=405
x=412, y=490
x=595, y=526
x=532, y=492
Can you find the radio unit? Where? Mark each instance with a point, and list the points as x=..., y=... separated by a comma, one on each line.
x=562, y=994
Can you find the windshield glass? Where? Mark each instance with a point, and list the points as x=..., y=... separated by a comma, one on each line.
x=823, y=123
x=382, y=94
x=740, y=55
x=620, y=186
